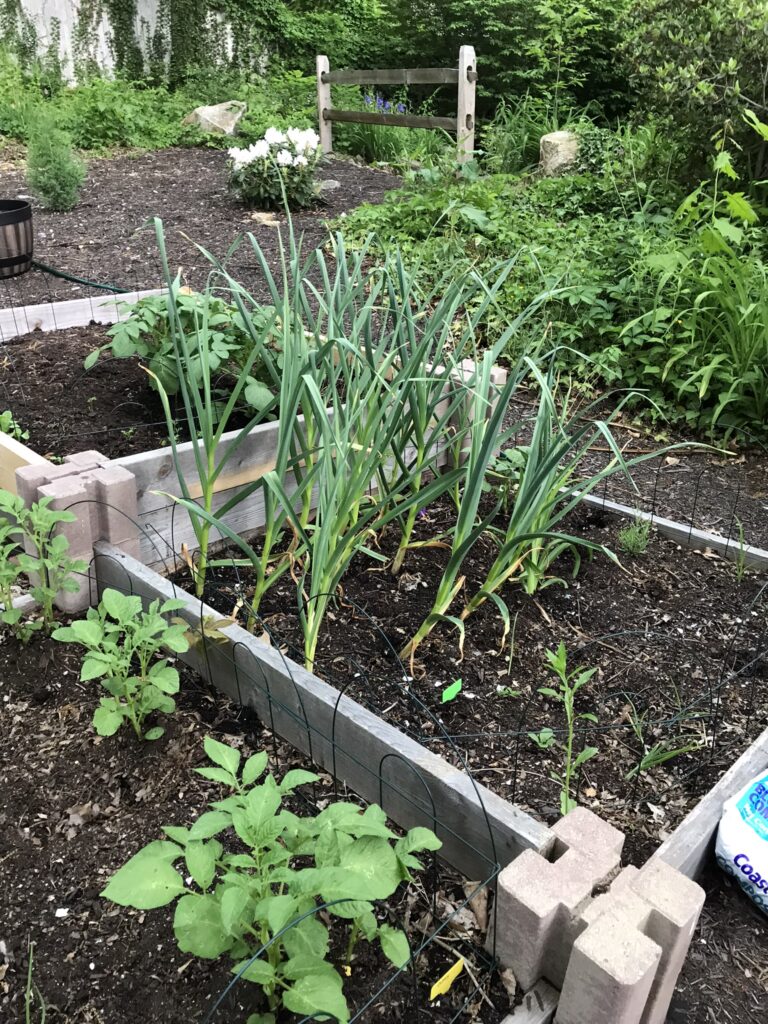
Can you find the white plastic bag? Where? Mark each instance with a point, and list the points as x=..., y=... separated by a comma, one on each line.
x=742, y=840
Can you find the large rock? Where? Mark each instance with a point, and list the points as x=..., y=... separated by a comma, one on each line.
x=222, y=117
x=558, y=152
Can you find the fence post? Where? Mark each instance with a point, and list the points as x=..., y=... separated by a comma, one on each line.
x=324, y=103
x=465, y=120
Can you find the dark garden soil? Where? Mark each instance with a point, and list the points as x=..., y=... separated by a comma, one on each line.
x=65, y=409
x=75, y=807
x=666, y=632
x=105, y=238
x=725, y=978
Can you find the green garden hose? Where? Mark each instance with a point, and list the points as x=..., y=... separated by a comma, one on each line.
x=78, y=280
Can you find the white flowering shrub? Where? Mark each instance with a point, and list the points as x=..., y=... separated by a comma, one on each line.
x=255, y=173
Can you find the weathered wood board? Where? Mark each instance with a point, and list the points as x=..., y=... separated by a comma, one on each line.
x=54, y=316
x=14, y=455
x=479, y=830
x=687, y=536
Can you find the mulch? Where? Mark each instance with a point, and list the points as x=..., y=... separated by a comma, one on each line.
x=107, y=239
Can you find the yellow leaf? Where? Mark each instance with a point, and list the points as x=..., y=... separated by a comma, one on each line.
x=442, y=985
x=347, y=970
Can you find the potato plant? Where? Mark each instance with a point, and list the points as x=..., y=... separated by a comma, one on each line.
x=121, y=642
x=260, y=902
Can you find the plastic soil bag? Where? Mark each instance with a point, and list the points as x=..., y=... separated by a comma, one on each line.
x=742, y=840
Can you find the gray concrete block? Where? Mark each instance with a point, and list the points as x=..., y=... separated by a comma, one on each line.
x=87, y=460
x=71, y=494
x=610, y=974
x=117, y=505
x=540, y=903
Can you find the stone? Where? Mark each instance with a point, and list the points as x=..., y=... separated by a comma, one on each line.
x=329, y=185
x=557, y=152
x=222, y=117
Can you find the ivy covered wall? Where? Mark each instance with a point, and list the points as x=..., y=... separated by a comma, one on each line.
x=166, y=38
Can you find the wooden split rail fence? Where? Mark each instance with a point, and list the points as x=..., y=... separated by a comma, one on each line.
x=464, y=77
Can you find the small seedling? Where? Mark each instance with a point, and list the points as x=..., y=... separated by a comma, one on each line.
x=451, y=692
x=121, y=643
x=569, y=684
x=268, y=902
x=8, y=425
x=507, y=691
x=634, y=538
x=659, y=754
x=740, y=562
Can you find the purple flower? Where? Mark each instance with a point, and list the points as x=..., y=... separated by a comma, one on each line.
x=400, y=108
x=387, y=107
x=368, y=100
x=379, y=103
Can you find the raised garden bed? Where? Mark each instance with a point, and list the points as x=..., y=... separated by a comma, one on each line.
x=103, y=799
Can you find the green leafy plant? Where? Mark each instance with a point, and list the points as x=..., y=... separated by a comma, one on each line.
x=260, y=901
x=569, y=684
x=276, y=170
x=10, y=549
x=217, y=342
x=121, y=642
x=54, y=173
x=9, y=425
x=45, y=560
x=635, y=536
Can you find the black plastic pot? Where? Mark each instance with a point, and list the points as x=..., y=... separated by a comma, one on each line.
x=16, y=242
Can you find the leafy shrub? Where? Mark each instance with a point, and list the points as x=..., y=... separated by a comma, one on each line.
x=699, y=64
x=278, y=169
x=121, y=642
x=104, y=113
x=268, y=889
x=54, y=173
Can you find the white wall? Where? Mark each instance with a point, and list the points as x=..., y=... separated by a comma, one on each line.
x=42, y=11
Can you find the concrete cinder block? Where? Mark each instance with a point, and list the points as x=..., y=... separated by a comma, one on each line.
x=117, y=505
x=541, y=903
x=655, y=904
x=675, y=903
x=71, y=494
x=87, y=460
x=30, y=478
x=610, y=973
